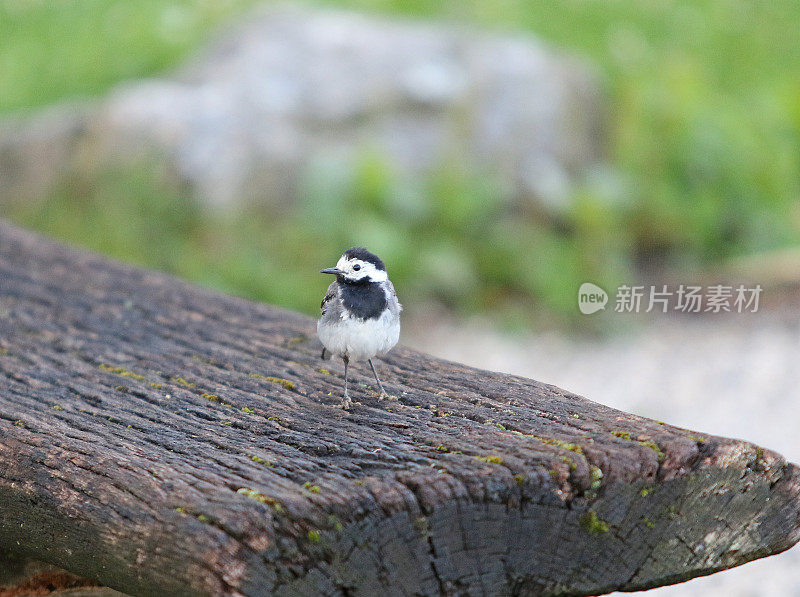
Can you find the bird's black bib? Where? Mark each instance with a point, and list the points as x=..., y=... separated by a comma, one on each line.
x=364, y=299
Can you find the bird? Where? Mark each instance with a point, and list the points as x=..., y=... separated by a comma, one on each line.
x=360, y=313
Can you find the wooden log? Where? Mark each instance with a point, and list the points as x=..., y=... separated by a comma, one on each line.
x=163, y=439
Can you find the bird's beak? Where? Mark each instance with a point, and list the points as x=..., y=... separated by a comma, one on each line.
x=331, y=270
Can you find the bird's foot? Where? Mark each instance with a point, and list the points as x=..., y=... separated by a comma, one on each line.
x=346, y=402
x=384, y=395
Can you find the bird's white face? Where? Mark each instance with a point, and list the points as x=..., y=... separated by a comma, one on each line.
x=356, y=269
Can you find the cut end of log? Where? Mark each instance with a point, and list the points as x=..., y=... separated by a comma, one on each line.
x=161, y=438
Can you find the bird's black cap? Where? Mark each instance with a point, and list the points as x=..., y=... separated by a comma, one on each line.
x=364, y=255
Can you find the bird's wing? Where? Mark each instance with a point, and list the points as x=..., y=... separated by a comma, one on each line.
x=394, y=294
x=329, y=296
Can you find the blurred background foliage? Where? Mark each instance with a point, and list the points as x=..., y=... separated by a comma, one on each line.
x=703, y=151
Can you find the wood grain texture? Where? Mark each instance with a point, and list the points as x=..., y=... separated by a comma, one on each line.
x=164, y=439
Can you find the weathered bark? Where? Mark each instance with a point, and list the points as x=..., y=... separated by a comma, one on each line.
x=164, y=439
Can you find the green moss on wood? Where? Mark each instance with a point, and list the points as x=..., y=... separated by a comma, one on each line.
x=646, y=443
x=201, y=359
x=335, y=523
x=289, y=385
x=622, y=435
x=490, y=459
x=261, y=499
x=278, y=420
x=593, y=524
x=654, y=447
x=597, y=477
x=559, y=443
x=120, y=371
x=422, y=525
x=312, y=488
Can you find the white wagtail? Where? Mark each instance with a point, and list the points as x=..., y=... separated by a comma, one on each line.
x=360, y=312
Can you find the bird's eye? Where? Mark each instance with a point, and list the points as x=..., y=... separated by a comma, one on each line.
x=356, y=267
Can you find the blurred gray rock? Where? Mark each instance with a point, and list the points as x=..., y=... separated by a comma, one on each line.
x=291, y=91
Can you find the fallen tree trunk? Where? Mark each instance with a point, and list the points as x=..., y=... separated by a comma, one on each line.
x=164, y=439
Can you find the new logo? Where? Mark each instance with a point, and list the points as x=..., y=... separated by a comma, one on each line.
x=591, y=298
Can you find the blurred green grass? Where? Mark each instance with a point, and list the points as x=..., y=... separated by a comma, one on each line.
x=704, y=148
x=52, y=50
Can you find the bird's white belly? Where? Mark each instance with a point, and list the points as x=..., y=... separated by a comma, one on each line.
x=360, y=339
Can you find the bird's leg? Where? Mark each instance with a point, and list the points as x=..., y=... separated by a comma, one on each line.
x=347, y=401
x=378, y=379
